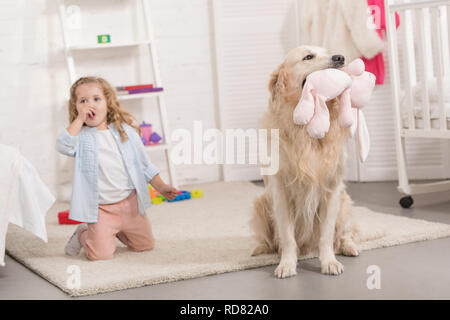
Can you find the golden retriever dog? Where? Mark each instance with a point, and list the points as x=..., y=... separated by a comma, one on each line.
x=305, y=206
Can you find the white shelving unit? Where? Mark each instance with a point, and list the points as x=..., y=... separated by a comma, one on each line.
x=139, y=95
x=108, y=45
x=69, y=48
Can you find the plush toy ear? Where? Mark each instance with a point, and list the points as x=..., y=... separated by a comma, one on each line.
x=345, y=118
x=304, y=110
x=278, y=81
x=320, y=122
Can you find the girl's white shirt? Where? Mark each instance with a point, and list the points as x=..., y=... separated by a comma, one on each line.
x=114, y=183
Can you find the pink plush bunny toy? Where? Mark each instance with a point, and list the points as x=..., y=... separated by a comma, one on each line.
x=353, y=86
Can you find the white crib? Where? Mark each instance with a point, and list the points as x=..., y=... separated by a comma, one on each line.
x=421, y=102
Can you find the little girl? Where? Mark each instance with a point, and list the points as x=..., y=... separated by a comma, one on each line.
x=112, y=172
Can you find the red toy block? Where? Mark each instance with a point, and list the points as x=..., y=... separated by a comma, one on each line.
x=63, y=218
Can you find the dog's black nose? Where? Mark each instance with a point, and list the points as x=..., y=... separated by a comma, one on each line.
x=338, y=58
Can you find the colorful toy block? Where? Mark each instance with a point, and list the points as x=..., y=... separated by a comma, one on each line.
x=154, y=194
x=103, y=38
x=157, y=200
x=197, y=193
x=63, y=218
x=186, y=194
x=182, y=195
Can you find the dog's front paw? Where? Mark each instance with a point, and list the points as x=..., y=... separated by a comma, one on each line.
x=333, y=267
x=286, y=269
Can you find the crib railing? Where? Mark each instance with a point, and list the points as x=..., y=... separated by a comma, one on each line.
x=425, y=45
x=429, y=19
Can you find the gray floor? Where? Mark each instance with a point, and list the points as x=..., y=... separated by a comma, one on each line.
x=412, y=271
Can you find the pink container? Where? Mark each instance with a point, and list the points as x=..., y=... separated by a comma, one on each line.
x=146, y=132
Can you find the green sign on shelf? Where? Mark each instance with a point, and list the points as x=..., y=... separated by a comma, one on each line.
x=104, y=38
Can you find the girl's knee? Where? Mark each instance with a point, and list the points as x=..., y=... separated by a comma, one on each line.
x=145, y=246
x=99, y=256
x=96, y=250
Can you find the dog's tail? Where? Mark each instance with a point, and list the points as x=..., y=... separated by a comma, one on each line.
x=262, y=225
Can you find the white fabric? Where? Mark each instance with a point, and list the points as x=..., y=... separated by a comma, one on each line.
x=9, y=160
x=363, y=137
x=340, y=26
x=114, y=183
x=24, y=198
x=359, y=127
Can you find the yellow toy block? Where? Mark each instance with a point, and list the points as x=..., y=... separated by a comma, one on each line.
x=157, y=200
x=197, y=193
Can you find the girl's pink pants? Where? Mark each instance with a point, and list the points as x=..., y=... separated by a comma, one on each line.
x=121, y=220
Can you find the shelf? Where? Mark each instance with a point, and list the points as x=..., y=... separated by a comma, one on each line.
x=139, y=95
x=108, y=45
x=72, y=48
x=162, y=146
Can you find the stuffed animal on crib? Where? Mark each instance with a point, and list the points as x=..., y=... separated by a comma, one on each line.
x=352, y=85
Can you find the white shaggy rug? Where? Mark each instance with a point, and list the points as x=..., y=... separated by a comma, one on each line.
x=194, y=238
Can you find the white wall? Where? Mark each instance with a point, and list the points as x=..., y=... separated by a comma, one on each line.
x=34, y=79
x=252, y=39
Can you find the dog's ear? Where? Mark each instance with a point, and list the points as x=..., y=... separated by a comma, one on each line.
x=278, y=81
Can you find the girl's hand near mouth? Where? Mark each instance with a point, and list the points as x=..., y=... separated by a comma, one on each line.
x=86, y=112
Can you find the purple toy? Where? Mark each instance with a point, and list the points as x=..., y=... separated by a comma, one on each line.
x=144, y=90
x=146, y=132
x=155, y=138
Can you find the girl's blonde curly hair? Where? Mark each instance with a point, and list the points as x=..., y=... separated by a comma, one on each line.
x=115, y=114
